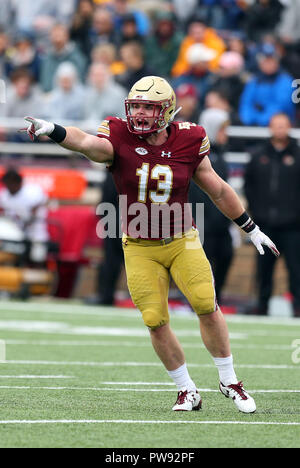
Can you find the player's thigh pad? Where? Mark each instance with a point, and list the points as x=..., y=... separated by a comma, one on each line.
x=192, y=273
x=148, y=284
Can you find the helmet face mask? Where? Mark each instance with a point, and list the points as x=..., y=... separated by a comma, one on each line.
x=155, y=92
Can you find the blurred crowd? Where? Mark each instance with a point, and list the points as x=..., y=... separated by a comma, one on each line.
x=77, y=59
x=229, y=61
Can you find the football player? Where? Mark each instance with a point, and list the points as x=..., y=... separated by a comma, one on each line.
x=152, y=159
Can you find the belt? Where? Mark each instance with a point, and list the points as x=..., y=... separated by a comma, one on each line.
x=153, y=243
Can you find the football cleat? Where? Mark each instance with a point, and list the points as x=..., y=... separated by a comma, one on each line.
x=242, y=400
x=188, y=401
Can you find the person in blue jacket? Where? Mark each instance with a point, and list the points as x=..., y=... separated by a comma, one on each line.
x=268, y=93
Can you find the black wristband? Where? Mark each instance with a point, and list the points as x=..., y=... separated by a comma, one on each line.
x=245, y=222
x=59, y=134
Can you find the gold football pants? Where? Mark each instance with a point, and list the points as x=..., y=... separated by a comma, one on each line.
x=148, y=266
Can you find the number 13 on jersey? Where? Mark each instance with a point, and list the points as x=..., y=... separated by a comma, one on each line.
x=164, y=176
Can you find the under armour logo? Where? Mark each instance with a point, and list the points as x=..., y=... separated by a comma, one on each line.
x=164, y=153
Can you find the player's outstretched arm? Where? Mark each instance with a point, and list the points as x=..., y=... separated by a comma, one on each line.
x=226, y=199
x=72, y=138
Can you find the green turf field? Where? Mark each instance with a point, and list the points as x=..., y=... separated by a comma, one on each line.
x=79, y=376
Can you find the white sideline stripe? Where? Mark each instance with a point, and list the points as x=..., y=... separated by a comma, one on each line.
x=146, y=364
x=115, y=389
x=35, y=377
x=141, y=344
x=132, y=421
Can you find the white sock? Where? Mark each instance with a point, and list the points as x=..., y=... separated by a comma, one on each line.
x=182, y=378
x=226, y=370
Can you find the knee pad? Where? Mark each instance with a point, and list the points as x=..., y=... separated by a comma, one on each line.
x=154, y=318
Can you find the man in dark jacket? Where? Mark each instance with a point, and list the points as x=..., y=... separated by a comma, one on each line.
x=272, y=187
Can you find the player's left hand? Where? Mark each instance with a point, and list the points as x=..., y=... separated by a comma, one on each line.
x=259, y=239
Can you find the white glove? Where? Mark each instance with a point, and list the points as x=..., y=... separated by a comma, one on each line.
x=38, y=127
x=259, y=239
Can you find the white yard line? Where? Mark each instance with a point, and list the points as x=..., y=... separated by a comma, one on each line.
x=132, y=421
x=115, y=389
x=35, y=377
x=144, y=364
x=134, y=344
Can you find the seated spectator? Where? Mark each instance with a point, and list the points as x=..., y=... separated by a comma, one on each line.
x=103, y=30
x=289, y=26
x=198, y=33
x=129, y=30
x=6, y=15
x=81, y=26
x=4, y=57
x=25, y=204
x=197, y=74
x=262, y=17
x=229, y=79
x=188, y=103
x=132, y=56
x=42, y=15
x=162, y=46
x=268, y=93
x=104, y=97
x=24, y=98
x=25, y=55
x=107, y=54
x=215, y=99
x=121, y=8
x=62, y=50
x=66, y=100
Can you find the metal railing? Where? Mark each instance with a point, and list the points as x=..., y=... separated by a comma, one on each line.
x=12, y=125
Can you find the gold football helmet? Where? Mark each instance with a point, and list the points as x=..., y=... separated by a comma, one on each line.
x=157, y=92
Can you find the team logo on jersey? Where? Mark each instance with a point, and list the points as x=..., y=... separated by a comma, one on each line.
x=166, y=153
x=141, y=151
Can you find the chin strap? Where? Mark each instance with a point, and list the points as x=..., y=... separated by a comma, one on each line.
x=171, y=120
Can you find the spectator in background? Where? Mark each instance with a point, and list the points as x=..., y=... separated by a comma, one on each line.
x=42, y=15
x=121, y=8
x=162, y=46
x=198, y=33
x=217, y=238
x=6, y=15
x=4, y=57
x=187, y=100
x=25, y=204
x=129, y=30
x=81, y=25
x=107, y=54
x=132, y=55
x=23, y=98
x=262, y=17
x=272, y=187
x=62, y=50
x=66, y=100
x=25, y=55
x=197, y=74
x=104, y=97
x=103, y=31
x=268, y=93
x=216, y=100
x=229, y=79
x=289, y=26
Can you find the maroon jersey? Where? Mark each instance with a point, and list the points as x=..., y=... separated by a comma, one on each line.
x=153, y=181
